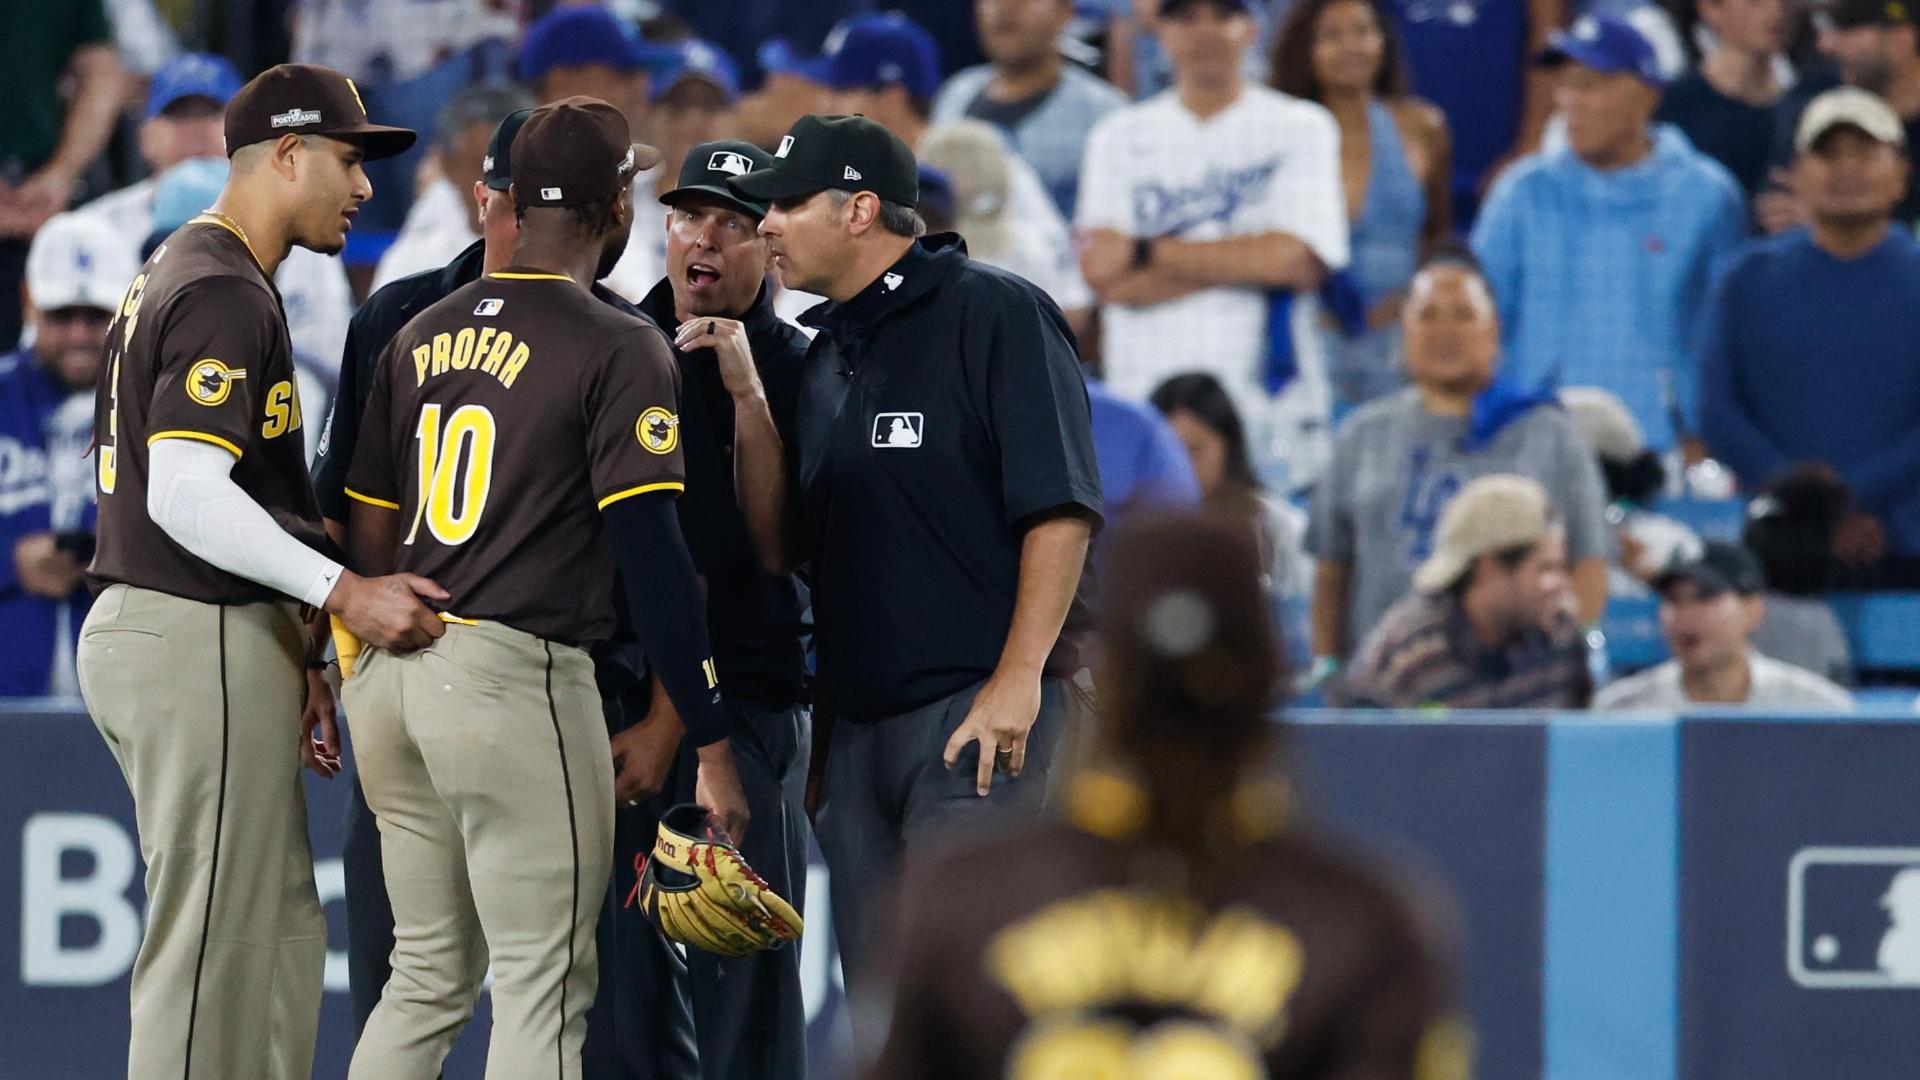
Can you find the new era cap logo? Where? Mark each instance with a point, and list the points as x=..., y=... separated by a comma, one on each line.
x=786, y=144
x=726, y=161
x=486, y=163
x=549, y=192
x=489, y=306
x=296, y=118
x=626, y=164
x=851, y=174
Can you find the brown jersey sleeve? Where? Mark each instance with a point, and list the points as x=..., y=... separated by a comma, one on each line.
x=1397, y=1022
x=212, y=364
x=373, y=479
x=633, y=419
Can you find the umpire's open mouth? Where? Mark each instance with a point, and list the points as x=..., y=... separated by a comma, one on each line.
x=701, y=275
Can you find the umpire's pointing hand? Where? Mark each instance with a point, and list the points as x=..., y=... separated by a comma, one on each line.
x=386, y=611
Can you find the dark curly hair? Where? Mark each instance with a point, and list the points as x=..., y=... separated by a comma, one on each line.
x=1292, y=70
x=596, y=217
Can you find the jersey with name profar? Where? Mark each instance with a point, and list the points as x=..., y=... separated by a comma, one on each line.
x=501, y=422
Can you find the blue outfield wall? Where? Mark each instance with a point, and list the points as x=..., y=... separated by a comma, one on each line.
x=1632, y=898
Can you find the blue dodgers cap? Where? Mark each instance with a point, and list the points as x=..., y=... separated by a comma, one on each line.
x=1608, y=45
x=777, y=56
x=578, y=35
x=193, y=75
x=694, y=60
x=870, y=52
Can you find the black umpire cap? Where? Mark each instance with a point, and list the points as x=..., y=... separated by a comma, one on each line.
x=496, y=169
x=709, y=167
x=305, y=99
x=843, y=153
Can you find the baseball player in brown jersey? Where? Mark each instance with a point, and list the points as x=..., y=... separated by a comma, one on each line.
x=1175, y=925
x=209, y=543
x=518, y=436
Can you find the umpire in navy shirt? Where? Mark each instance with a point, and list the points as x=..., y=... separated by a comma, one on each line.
x=740, y=370
x=945, y=495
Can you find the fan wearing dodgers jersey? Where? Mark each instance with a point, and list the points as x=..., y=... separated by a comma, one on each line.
x=1202, y=209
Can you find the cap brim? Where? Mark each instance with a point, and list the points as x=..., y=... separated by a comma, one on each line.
x=1705, y=578
x=1439, y=572
x=772, y=185
x=646, y=157
x=721, y=194
x=376, y=141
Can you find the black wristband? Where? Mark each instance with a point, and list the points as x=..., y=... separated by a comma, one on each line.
x=1142, y=251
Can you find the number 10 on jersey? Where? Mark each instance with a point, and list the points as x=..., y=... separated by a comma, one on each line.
x=455, y=472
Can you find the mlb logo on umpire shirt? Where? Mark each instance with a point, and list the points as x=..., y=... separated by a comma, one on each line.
x=1853, y=918
x=898, y=430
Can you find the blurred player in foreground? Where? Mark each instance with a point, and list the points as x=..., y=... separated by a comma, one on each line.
x=1176, y=923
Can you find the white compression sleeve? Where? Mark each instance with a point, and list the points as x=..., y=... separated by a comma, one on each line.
x=192, y=497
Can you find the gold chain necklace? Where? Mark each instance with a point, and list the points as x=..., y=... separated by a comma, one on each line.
x=231, y=224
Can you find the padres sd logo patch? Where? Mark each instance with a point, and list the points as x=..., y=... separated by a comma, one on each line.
x=209, y=381
x=658, y=430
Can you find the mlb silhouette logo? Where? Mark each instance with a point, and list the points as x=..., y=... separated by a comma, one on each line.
x=489, y=306
x=1853, y=918
x=726, y=161
x=898, y=430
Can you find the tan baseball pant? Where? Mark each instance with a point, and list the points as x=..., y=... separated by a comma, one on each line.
x=200, y=704
x=485, y=760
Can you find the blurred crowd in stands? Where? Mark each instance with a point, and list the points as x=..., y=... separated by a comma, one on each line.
x=1457, y=303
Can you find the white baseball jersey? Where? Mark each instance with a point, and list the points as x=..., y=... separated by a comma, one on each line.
x=1267, y=163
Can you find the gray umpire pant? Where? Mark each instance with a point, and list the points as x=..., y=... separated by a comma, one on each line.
x=889, y=794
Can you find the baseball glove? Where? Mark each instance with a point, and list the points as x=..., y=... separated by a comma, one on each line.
x=701, y=893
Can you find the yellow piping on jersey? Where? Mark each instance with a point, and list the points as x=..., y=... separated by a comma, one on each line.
x=530, y=277
x=209, y=219
x=669, y=485
x=370, y=500
x=197, y=436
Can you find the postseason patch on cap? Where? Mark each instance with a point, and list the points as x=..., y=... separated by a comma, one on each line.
x=295, y=118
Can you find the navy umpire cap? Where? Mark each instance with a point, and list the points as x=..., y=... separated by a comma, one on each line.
x=496, y=169
x=709, y=168
x=842, y=153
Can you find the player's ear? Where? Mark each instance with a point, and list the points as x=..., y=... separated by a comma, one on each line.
x=623, y=207
x=284, y=156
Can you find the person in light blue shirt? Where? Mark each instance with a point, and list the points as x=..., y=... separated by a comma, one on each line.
x=1043, y=105
x=1141, y=460
x=1812, y=350
x=1602, y=252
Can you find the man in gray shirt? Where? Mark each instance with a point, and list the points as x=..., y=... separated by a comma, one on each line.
x=1399, y=461
x=1042, y=104
x=1709, y=608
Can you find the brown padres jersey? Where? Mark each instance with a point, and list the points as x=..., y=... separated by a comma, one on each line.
x=501, y=421
x=1044, y=956
x=198, y=350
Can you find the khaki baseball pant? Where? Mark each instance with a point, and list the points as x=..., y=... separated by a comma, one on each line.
x=485, y=761
x=200, y=704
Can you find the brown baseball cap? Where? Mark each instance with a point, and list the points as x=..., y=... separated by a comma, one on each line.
x=305, y=99
x=574, y=151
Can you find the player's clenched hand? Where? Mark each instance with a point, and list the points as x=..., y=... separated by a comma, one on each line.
x=728, y=340
x=320, y=729
x=386, y=611
x=717, y=788
x=1000, y=719
x=643, y=754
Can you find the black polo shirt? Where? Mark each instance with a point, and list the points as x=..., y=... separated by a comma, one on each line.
x=755, y=619
x=943, y=412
